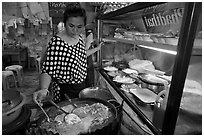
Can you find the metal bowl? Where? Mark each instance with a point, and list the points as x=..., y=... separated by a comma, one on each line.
x=155, y=86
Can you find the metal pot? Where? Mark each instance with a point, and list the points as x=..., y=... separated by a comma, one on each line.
x=105, y=128
x=20, y=124
x=12, y=102
x=152, y=82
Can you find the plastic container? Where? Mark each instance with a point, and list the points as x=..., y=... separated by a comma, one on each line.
x=171, y=41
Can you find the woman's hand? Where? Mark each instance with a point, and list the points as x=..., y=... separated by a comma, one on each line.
x=91, y=51
x=99, y=45
x=40, y=95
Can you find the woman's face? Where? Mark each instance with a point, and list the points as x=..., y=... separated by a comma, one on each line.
x=74, y=26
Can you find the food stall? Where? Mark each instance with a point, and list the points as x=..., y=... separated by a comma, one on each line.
x=163, y=42
x=147, y=75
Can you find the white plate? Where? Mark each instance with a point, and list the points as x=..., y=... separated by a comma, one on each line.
x=110, y=68
x=126, y=90
x=114, y=73
x=127, y=87
x=130, y=71
x=133, y=75
x=155, y=79
x=145, y=95
x=124, y=80
x=153, y=72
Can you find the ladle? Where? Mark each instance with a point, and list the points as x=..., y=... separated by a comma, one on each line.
x=58, y=107
x=48, y=118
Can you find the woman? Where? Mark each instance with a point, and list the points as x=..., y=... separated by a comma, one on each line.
x=65, y=68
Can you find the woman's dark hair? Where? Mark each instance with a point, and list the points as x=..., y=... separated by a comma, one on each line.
x=74, y=10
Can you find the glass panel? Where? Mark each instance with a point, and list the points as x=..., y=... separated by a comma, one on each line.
x=190, y=116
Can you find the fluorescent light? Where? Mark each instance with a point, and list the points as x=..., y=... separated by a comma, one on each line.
x=158, y=49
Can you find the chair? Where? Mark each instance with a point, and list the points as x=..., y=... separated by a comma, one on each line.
x=8, y=78
x=18, y=70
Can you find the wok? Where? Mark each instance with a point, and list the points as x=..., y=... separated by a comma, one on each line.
x=101, y=93
x=105, y=128
x=96, y=92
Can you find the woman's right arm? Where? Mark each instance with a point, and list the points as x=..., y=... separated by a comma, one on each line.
x=45, y=80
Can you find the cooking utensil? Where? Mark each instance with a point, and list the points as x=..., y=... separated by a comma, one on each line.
x=70, y=101
x=12, y=102
x=96, y=92
x=11, y=99
x=58, y=107
x=152, y=82
x=48, y=118
x=18, y=125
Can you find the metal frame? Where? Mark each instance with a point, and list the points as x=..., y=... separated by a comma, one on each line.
x=184, y=50
x=130, y=8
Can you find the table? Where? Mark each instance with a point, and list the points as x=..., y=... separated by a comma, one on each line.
x=15, y=52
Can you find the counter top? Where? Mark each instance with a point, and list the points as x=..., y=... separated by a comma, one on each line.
x=187, y=123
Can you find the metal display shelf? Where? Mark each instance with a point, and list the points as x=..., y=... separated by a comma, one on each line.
x=197, y=51
x=184, y=50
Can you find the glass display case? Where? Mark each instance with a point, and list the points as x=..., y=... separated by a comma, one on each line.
x=167, y=37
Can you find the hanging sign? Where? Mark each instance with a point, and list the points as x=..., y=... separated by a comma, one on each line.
x=163, y=18
x=56, y=9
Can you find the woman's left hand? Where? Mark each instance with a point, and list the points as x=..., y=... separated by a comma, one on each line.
x=99, y=45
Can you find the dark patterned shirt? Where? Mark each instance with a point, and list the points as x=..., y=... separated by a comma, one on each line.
x=64, y=62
